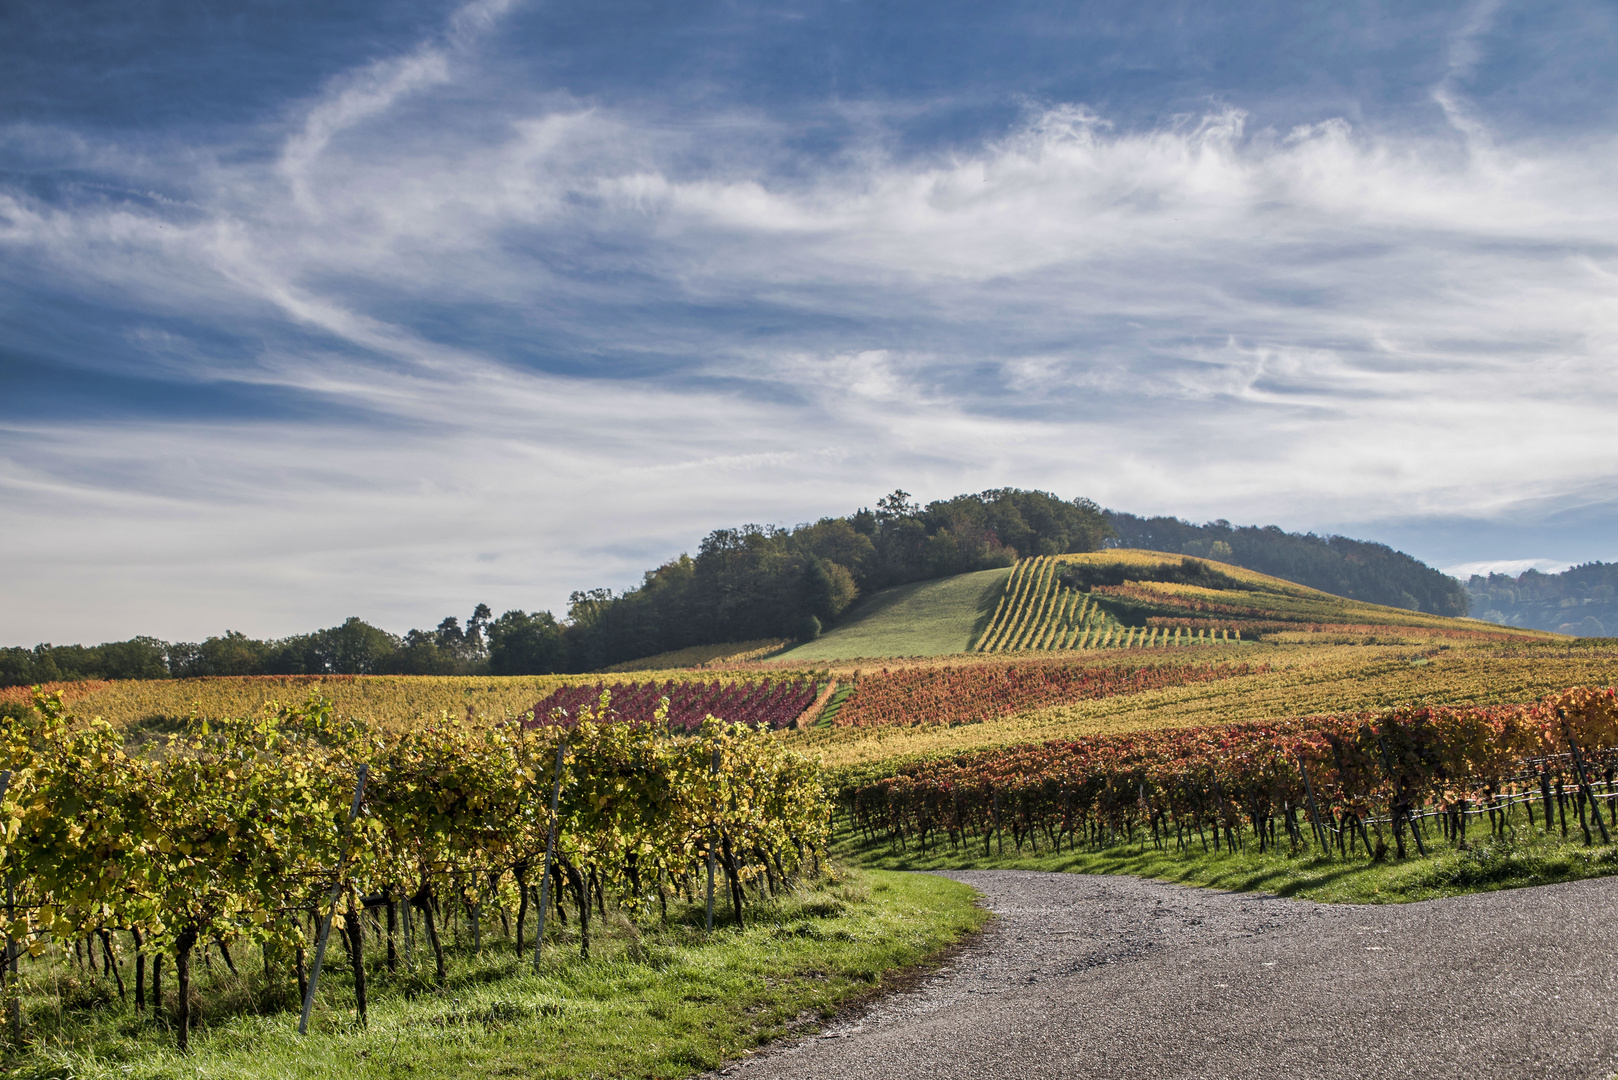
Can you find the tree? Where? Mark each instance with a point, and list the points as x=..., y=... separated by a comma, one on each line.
x=355, y=648
x=233, y=654
x=524, y=644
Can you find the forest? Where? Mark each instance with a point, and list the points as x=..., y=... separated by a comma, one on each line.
x=1356, y=569
x=1581, y=600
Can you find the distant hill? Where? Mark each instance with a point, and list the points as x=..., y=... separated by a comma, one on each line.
x=1582, y=601
x=1117, y=598
x=1132, y=598
x=754, y=583
x=1356, y=569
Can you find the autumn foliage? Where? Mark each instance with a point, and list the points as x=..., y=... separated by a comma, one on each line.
x=975, y=693
x=1372, y=766
x=239, y=830
x=773, y=703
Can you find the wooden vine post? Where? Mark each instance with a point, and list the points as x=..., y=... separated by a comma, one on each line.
x=1400, y=810
x=713, y=771
x=550, y=849
x=1314, y=811
x=13, y=991
x=331, y=906
x=1589, y=795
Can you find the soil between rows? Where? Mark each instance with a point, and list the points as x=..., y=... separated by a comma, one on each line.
x=1122, y=977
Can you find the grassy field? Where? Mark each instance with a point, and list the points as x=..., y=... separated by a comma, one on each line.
x=657, y=999
x=927, y=618
x=1301, y=679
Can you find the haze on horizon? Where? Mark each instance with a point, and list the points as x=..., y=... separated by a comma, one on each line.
x=309, y=311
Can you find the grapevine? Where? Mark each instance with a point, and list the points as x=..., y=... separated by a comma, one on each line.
x=237, y=830
x=1326, y=780
x=968, y=694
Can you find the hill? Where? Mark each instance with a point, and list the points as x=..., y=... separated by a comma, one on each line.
x=1582, y=600
x=1357, y=569
x=1152, y=598
x=1110, y=599
x=925, y=618
x=754, y=584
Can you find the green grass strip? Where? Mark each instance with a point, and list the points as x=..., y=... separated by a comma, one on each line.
x=656, y=1001
x=1526, y=857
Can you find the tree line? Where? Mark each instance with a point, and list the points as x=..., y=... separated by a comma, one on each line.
x=743, y=583
x=516, y=643
x=1581, y=600
x=1356, y=569
x=761, y=581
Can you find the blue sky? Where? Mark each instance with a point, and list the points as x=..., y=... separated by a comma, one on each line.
x=313, y=309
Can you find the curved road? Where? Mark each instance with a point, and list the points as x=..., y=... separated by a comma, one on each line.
x=1085, y=976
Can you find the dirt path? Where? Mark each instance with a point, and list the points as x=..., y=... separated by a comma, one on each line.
x=1117, y=977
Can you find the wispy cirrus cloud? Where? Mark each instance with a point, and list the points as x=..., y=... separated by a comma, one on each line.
x=517, y=341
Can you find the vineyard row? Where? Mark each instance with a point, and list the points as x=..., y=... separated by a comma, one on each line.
x=261, y=830
x=688, y=705
x=1036, y=612
x=971, y=694
x=1325, y=782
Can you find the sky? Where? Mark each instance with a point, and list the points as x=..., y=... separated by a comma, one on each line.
x=310, y=310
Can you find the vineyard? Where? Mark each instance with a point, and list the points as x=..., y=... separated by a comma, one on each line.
x=386, y=702
x=272, y=832
x=1287, y=680
x=686, y=706
x=1140, y=599
x=972, y=694
x=1340, y=785
x=139, y=850
x=1037, y=612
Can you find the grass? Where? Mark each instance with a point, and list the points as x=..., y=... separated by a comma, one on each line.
x=1522, y=858
x=926, y=618
x=657, y=999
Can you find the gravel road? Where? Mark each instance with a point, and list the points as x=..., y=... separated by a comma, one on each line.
x=1118, y=977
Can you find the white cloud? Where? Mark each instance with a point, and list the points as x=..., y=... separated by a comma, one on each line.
x=1193, y=319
